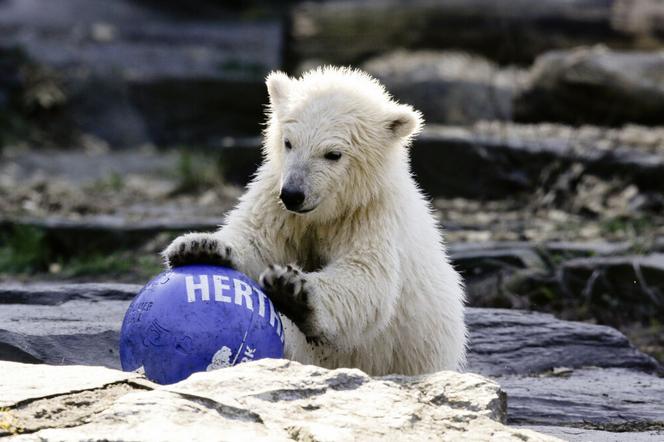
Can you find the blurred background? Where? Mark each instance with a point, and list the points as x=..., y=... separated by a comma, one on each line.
x=124, y=123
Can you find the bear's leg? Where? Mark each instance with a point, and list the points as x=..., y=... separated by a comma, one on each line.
x=198, y=248
x=296, y=347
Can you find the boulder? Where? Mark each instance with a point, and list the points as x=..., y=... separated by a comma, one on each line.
x=448, y=87
x=268, y=400
x=599, y=282
x=617, y=288
x=513, y=342
x=496, y=160
x=509, y=31
x=130, y=75
x=594, y=86
x=604, y=398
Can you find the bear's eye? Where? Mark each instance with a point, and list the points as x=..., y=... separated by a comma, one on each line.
x=333, y=156
x=288, y=145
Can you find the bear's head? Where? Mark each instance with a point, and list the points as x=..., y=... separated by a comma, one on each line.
x=334, y=140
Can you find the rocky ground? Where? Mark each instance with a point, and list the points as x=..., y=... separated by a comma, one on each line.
x=265, y=400
x=542, y=364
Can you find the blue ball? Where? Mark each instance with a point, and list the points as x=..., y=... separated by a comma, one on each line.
x=197, y=318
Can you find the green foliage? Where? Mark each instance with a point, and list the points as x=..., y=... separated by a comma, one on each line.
x=197, y=172
x=23, y=250
x=630, y=226
x=113, y=182
x=111, y=264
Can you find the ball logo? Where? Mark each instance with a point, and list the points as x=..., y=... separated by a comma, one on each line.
x=221, y=359
x=231, y=290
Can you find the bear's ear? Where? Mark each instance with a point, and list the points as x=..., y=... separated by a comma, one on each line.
x=278, y=86
x=404, y=121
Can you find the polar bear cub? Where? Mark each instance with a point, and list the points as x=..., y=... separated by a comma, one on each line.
x=338, y=233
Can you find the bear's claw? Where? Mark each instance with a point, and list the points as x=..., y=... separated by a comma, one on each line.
x=287, y=289
x=197, y=248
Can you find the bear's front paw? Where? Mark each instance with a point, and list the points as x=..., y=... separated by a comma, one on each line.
x=198, y=248
x=288, y=291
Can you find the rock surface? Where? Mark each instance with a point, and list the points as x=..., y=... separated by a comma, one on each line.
x=594, y=86
x=269, y=400
x=529, y=354
x=501, y=160
x=572, y=434
x=512, y=342
x=448, y=87
x=130, y=75
x=606, y=398
x=27, y=382
x=508, y=31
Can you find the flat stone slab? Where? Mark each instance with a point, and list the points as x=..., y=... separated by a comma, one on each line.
x=605, y=398
x=584, y=435
x=281, y=400
x=54, y=294
x=504, y=342
x=500, y=160
x=23, y=382
x=63, y=323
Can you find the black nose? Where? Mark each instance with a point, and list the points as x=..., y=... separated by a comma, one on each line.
x=292, y=198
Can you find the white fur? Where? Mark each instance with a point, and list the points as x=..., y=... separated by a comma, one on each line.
x=384, y=295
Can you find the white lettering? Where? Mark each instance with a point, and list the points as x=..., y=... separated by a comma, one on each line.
x=261, y=302
x=219, y=288
x=273, y=315
x=192, y=287
x=243, y=290
x=249, y=354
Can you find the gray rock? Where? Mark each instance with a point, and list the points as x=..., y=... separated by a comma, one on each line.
x=617, y=288
x=55, y=294
x=594, y=86
x=97, y=233
x=343, y=32
x=448, y=87
x=610, y=399
x=281, y=400
x=480, y=259
x=498, y=161
x=526, y=343
x=130, y=75
x=563, y=277
x=583, y=435
x=63, y=323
